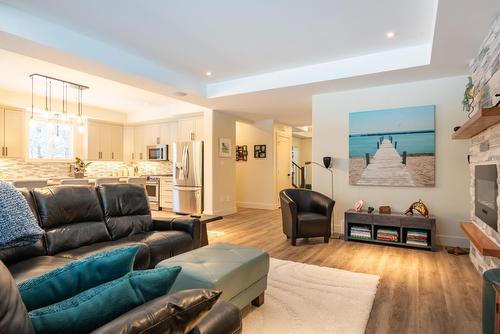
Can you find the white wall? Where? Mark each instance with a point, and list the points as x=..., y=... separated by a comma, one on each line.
x=254, y=177
x=220, y=173
x=448, y=200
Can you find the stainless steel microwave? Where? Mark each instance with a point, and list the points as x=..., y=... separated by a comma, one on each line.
x=157, y=152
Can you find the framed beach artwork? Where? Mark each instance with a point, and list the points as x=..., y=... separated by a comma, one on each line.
x=392, y=147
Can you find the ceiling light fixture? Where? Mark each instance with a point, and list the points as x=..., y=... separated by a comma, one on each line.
x=391, y=34
x=80, y=118
x=208, y=73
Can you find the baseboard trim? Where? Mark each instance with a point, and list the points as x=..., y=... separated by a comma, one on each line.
x=257, y=205
x=224, y=212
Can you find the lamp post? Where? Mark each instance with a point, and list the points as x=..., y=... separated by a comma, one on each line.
x=327, y=164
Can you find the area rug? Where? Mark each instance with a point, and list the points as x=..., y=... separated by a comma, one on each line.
x=303, y=298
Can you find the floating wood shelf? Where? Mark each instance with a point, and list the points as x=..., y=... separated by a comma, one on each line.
x=479, y=122
x=483, y=244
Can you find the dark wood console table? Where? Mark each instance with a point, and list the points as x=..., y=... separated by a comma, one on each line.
x=396, y=222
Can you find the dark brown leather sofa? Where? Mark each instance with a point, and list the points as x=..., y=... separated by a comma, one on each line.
x=83, y=220
x=306, y=214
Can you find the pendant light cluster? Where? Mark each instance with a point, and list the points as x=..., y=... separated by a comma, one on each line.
x=63, y=114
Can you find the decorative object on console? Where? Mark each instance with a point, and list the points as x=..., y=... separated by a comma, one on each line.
x=241, y=153
x=371, y=209
x=79, y=167
x=259, y=151
x=420, y=207
x=384, y=209
x=457, y=250
x=224, y=147
x=358, y=206
x=392, y=147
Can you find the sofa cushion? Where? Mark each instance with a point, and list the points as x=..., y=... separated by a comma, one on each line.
x=13, y=315
x=24, y=270
x=126, y=209
x=84, y=274
x=311, y=224
x=97, y=306
x=71, y=217
x=163, y=245
x=174, y=313
x=142, y=258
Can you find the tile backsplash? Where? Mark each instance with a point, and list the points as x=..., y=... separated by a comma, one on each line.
x=21, y=169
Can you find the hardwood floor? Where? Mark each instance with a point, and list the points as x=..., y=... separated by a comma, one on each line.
x=419, y=291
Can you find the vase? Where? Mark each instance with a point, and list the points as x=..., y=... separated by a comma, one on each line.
x=79, y=175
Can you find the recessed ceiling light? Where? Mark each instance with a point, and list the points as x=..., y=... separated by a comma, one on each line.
x=208, y=73
x=180, y=94
x=391, y=34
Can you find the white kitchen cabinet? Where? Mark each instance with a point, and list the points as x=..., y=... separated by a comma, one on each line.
x=190, y=129
x=105, y=141
x=139, y=143
x=166, y=192
x=128, y=143
x=12, y=133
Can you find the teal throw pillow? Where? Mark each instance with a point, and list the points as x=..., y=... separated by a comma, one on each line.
x=93, y=308
x=77, y=276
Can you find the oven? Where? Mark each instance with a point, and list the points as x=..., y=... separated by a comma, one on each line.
x=153, y=191
x=157, y=152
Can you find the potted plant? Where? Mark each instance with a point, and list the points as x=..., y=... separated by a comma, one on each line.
x=79, y=167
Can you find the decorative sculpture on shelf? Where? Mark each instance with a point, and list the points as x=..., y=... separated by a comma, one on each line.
x=419, y=207
x=370, y=209
x=358, y=206
x=469, y=94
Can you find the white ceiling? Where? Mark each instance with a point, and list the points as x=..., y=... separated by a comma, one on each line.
x=241, y=38
x=267, y=57
x=103, y=93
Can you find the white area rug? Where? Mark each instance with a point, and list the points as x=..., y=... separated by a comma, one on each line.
x=303, y=298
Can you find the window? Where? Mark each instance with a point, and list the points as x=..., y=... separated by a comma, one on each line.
x=50, y=139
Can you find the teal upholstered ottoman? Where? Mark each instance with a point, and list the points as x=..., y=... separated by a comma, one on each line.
x=239, y=272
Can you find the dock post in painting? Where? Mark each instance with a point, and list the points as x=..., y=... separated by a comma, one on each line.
x=393, y=147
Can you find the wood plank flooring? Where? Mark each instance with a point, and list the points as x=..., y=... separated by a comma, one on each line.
x=419, y=292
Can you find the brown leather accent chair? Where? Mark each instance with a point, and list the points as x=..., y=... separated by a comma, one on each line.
x=306, y=214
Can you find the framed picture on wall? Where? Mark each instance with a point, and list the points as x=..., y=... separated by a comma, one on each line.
x=225, y=147
x=259, y=151
x=392, y=147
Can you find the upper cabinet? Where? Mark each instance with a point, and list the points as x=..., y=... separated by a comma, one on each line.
x=190, y=129
x=105, y=141
x=11, y=133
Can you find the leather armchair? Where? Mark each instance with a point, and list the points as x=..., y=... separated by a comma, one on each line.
x=306, y=214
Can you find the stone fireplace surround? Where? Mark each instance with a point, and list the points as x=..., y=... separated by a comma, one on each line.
x=485, y=149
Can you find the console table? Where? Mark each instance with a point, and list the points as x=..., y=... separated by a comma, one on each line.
x=395, y=222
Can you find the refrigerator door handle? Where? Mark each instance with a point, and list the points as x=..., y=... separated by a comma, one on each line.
x=187, y=163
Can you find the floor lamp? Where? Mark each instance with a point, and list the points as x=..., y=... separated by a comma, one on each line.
x=327, y=164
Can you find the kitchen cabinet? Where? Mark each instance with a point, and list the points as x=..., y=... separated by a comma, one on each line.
x=139, y=143
x=166, y=192
x=128, y=143
x=11, y=133
x=105, y=141
x=190, y=129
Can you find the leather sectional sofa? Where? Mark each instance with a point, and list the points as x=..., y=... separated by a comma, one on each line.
x=83, y=220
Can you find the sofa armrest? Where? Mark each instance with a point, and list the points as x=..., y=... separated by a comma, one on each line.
x=179, y=312
x=224, y=317
x=185, y=224
x=288, y=215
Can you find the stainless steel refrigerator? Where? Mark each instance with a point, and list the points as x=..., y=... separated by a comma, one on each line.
x=188, y=177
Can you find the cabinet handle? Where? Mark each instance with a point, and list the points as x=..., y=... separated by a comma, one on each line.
x=132, y=156
x=113, y=155
x=6, y=151
x=3, y=151
x=140, y=156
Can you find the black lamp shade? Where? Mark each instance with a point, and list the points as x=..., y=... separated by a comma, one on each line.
x=327, y=161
